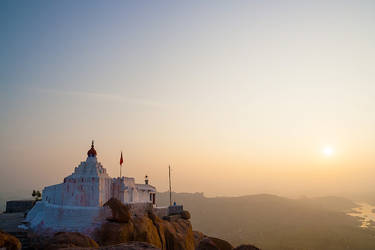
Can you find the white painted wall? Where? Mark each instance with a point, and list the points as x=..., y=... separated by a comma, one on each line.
x=90, y=186
x=46, y=217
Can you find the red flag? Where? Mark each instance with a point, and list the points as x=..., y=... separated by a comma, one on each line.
x=121, y=160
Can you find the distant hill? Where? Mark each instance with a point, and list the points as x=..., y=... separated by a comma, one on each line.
x=273, y=222
x=333, y=203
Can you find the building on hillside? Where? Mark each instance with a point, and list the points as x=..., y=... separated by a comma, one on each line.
x=90, y=186
x=77, y=204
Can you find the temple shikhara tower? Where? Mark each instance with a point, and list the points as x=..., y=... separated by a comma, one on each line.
x=90, y=186
x=76, y=204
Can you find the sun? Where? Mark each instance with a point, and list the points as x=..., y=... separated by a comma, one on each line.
x=328, y=150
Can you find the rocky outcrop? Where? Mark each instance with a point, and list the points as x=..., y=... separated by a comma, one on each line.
x=9, y=242
x=211, y=243
x=176, y=234
x=160, y=233
x=147, y=231
x=185, y=215
x=198, y=237
x=134, y=245
x=114, y=233
x=131, y=246
x=247, y=247
x=207, y=244
x=120, y=213
x=69, y=240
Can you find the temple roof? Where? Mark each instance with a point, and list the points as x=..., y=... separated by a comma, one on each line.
x=92, y=151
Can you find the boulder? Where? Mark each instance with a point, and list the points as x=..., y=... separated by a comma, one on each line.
x=120, y=212
x=68, y=240
x=221, y=244
x=178, y=234
x=246, y=247
x=211, y=243
x=185, y=215
x=112, y=233
x=147, y=231
x=150, y=228
x=140, y=229
x=131, y=246
x=207, y=244
x=9, y=242
x=134, y=245
x=198, y=237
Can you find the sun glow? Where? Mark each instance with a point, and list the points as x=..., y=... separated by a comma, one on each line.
x=328, y=150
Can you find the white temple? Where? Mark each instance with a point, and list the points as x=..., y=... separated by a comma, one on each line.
x=77, y=203
x=91, y=186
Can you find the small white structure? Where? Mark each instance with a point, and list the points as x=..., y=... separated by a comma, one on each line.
x=77, y=203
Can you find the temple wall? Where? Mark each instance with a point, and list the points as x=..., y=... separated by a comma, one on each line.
x=105, y=193
x=175, y=209
x=74, y=192
x=53, y=194
x=140, y=209
x=45, y=217
x=48, y=218
x=92, y=192
x=117, y=190
x=161, y=211
x=144, y=196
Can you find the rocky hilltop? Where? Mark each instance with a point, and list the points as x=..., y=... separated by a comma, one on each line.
x=131, y=231
x=9, y=242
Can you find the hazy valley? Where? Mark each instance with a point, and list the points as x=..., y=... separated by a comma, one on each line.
x=273, y=222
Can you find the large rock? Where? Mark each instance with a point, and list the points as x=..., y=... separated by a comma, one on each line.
x=206, y=244
x=131, y=246
x=9, y=242
x=221, y=244
x=198, y=237
x=112, y=233
x=134, y=245
x=147, y=231
x=120, y=212
x=68, y=240
x=185, y=215
x=178, y=234
x=151, y=229
x=247, y=247
x=211, y=243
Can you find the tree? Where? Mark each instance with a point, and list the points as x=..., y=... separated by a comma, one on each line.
x=37, y=195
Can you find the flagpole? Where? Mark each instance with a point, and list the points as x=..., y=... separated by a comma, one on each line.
x=170, y=186
x=121, y=161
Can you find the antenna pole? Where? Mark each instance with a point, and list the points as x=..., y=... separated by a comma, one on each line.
x=170, y=186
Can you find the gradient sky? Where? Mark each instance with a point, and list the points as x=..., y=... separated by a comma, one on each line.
x=240, y=97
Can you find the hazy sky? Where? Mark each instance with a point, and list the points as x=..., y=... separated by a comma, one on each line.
x=240, y=97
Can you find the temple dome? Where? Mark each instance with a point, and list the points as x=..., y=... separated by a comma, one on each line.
x=92, y=151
